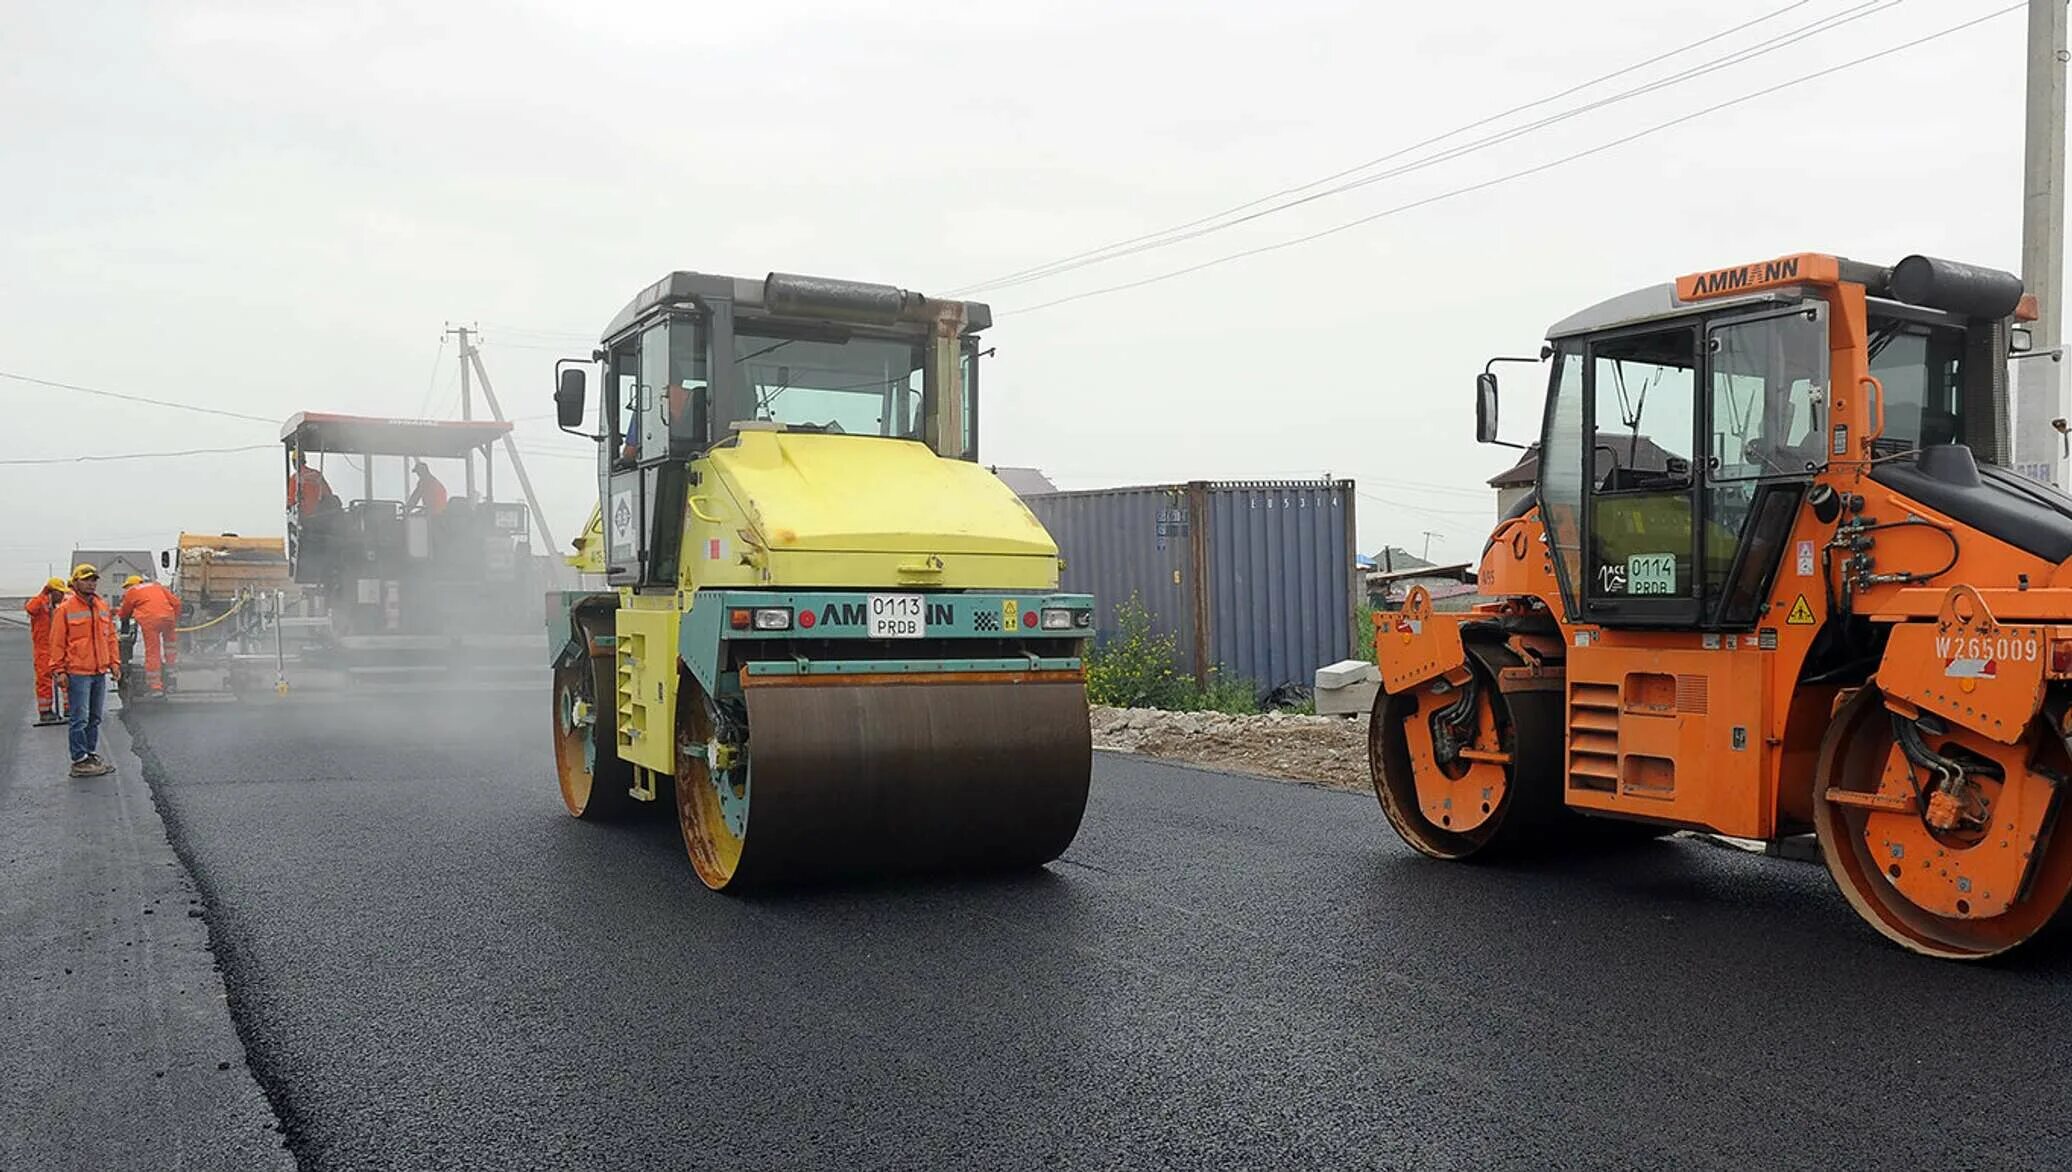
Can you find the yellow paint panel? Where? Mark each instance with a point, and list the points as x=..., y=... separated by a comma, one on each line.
x=788, y=509
x=813, y=491
x=646, y=662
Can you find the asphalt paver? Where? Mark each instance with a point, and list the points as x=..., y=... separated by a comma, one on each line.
x=433, y=966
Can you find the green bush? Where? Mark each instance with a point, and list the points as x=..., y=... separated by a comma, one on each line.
x=1363, y=632
x=1139, y=668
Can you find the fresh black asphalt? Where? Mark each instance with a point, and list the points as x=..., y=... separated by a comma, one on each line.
x=432, y=966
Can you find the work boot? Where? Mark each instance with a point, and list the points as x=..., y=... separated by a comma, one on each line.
x=84, y=767
x=46, y=717
x=97, y=765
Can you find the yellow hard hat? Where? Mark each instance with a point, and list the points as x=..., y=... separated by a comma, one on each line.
x=54, y=584
x=84, y=570
x=132, y=580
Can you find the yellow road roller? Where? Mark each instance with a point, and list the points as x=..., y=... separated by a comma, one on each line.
x=830, y=637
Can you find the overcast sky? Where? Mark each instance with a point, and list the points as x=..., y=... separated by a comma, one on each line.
x=267, y=208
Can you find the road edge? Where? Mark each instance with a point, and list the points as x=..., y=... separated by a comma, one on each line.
x=223, y=951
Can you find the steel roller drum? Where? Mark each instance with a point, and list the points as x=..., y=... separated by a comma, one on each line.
x=894, y=774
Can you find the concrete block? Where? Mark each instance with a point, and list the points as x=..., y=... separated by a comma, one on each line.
x=1346, y=672
x=1352, y=700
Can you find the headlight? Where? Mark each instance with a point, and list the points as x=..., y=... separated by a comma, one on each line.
x=773, y=618
x=1057, y=618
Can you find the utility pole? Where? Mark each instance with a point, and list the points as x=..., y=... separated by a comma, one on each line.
x=467, y=396
x=471, y=356
x=1428, y=535
x=2039, y=392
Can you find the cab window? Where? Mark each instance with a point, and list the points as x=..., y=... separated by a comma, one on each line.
x=1643, y=428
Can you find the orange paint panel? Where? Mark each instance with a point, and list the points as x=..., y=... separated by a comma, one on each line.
x=1675, y=734
x=1413, y=644
x=1969, y=668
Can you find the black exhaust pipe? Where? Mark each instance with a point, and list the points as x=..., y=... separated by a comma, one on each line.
x=1970, y=290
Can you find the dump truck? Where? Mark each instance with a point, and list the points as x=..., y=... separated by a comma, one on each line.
x=230, y=587
x=1775, y=579
x=829, y=637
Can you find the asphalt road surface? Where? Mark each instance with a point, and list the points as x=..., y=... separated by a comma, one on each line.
x=432, y=966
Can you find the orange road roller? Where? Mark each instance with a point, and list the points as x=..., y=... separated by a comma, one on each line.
x=1776, y=577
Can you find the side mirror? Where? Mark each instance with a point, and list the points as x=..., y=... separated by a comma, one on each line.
x=2020, y=340
x=1485, y=407
x=165, y=559
x=568, y=397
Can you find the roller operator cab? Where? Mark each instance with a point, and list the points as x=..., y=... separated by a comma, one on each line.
x=833, y=641
x=1775, y=578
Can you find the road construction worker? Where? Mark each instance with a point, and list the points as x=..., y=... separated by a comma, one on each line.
x=48, y=702
x=157, y=611
x=429, y=494
x=307, y=488
x=84, y=654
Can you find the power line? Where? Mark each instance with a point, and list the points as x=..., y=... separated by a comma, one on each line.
x=138, y=455
x=1057, y=265
x=1739, y=56
x=1427, y=510
x=431, y=382
x=1485, y=184
x=44, y=382
x=591, y=338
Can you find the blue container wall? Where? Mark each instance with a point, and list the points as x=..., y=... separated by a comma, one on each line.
x=1281, y=579
x=1122, y=542
x=1272, y=598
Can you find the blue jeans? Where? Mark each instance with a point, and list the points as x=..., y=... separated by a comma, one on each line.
x=85, y=697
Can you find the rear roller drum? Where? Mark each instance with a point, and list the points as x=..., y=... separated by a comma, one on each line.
x=595, y=783
x=1463, y=770
x=1942, y=839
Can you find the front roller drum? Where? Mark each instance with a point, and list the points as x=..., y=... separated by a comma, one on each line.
x=876, y=775
x=1464, y=770
x=1961, y=867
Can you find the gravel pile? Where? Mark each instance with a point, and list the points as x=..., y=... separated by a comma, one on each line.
x=1325, y=750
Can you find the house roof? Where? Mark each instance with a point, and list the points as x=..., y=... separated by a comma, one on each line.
x=117, y=564
x=1526, y=472
x=1025, y=481
x=1393, y=559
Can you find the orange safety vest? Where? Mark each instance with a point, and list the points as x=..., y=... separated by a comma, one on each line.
x=82, y=636
x=149, y=601
x=38, y=607
x=307, y=488
x=431, y=494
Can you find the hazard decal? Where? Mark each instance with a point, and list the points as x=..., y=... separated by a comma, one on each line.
x=1801, y=613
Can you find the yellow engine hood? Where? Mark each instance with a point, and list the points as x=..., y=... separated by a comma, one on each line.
x=834, y=493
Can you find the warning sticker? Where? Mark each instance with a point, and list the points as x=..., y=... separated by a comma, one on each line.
x=1801, y=613
x=1805, y=559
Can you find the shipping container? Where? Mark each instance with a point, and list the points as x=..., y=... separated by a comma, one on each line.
x=1255, y=580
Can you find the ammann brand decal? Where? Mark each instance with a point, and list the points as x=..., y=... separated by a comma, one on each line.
x=1804, y=268
x=1977, y=657
x=1769, y=272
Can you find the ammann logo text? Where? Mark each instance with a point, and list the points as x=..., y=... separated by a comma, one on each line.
x=1769, y=272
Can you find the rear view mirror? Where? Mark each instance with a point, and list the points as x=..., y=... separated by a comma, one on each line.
x=568, y=397
x=165, y=559
x=1485, y=407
